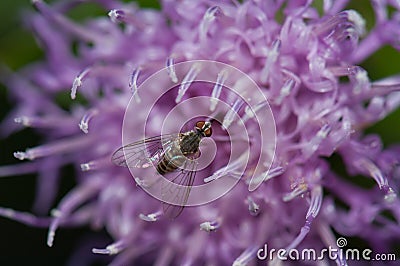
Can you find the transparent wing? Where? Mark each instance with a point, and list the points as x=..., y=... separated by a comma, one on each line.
x=143, y=153
x=179, y=194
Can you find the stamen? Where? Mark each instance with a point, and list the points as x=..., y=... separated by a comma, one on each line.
x=95, y=164
x=64, y=23
x=246, y=256
x=373, y=171
x=221, y=78
x=275, y=172
x=121, y=16
x=18, y=169
x=377, y=175
x=254, y=208
x=208, y=18
x=171, y=69
x=55, y=213
x=24, y=155
x=209, y=226
x=311, y=146
x=187, y=81
x=43, y=122
x=133, y=84
x=84, y=124
x=220, y=173
x=112, y=249
x=267, y=175
x=341, y=71
x=78, y=81
x=192, y=255
x=303, y=232
x=361, y=81
x=385, y=89
x=74, y=198
x=23, y=120
x=248, y=113
x=324, y=131
x=24, y=217
x=329, y=240
x=86, y=167
x=390, y=195
x=61, y=146
x=341, y=18
x=165, y=256
x=381, y=90
x=229, y=170
x=313, y=210
x=82, y=216
x=285, y=90
x=240, y=86
x=116, y=15
x=327, y=6
x=272, y=56
x=152, y=217
x=229, y=117
x=299, y=190
x=316, y=201
x=141, y=182
x=357, y=20
x=147, y=181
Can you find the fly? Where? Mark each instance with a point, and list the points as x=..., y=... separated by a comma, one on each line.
x=170, y=154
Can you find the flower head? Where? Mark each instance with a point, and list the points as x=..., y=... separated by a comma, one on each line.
x=306, y=66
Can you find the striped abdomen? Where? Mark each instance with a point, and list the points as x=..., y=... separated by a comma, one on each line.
x=179, y=152
x=171, y=160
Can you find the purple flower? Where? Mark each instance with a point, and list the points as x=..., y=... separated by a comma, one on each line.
x=307, y=67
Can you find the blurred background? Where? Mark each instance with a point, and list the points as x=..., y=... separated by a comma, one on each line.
x=20, y=243
x=18, y=48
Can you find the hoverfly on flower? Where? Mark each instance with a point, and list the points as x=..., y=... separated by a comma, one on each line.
x=172, y=154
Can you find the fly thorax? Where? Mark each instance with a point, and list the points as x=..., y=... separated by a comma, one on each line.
x=189, y=143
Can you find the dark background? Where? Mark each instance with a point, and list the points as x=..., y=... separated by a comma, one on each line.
x=20, y=244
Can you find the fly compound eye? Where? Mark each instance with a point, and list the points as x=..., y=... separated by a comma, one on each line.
x=208, y=132
x=204, y=127
x=199, y=125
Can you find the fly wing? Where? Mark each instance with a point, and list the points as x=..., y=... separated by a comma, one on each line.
x=179, y=194
x=143, y=153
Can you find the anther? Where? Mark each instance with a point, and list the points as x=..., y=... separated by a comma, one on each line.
x=208, y=18
x=84, y=123
x=115, y=15
x=299, y=190
x=216, y=92
x=78, y=81
x=152, y=217
x=249, y=113
x=229, y=117
x=272, y=56
x=187, y=81
x=133, y=84
x=209, y=226
x=254, y=208
x=171, y=69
